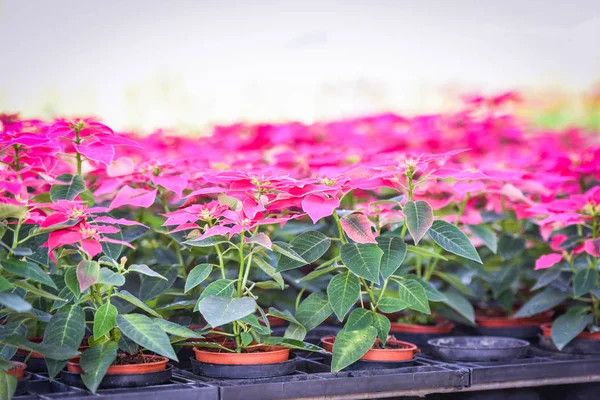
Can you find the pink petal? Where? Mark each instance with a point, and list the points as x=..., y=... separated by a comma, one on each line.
x=118, y=221
x=261, y=239
x=120, y=167
x=547, y=260
x=174, y=183
x=91, y=247
x=63, y=237
x=358, y=228
x=97, y=152
x=54, y=219
x=115, y=241
x=592, y=247
x=318, y=207
x=133, y=197
x=557, y=240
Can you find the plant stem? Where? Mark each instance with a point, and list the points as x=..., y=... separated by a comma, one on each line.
x=78, y=155
x=221, y=263
x=340, y=230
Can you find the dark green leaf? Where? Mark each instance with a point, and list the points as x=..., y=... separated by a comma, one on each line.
x=29, y=270
x=391, y=305
x=343, y=291
x=543, y=301
x=359, y=319
x=95, y=361
x=313, y=311
x=197, y=275
x=104, y=320
x=486, y=235
x=452, y=239
x=310, y=246
x=418, y=217
x=413, y=294
x=146, y=333
x=394, y=252
x=145, y=270
x=109, y=277
x=125, y=295
x=220, y=310
x=461, y=305
x=70, y=187
x=383, y=326
x=350, y=346
x=14, y=302
x=566, y=327
x=362, y=259
x=584, y=281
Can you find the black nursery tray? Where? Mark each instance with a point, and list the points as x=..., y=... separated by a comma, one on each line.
x=537, y=365
x=178, y=388
x=313, y=379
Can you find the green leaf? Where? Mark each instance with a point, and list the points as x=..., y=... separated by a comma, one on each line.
x=363, y=259
x=270, y=271
x=455, y=282
x=292, y=344
x=12, y=211
x=65, y=329
x=220, y=310
x=146, y=333
x=413, y=294
x=452, y=239
x=87, y=274
x=549, y=276
x=432, y=293
x=461, y=305
x=313, y=311
x=176, y=329
x=343, y=291
x=152, y=287
x=310, y=246
x=418, y=217
x=66, y=295
x=5, y=285
x=391, y=305
x=12, y=328
x=394, y=252
x=285, y=315
x=510, y=246
x=383, y=326
x=108, y=277
x=70, y=187
x=125, y=295
x=207, y=242
x=543, y=301
x=350, y=346
x=104, y=320
x=95, y=361
x=295, y=331
x=566, y=327
x=425, y=253
x=486, y=235
x=49, y=351
x=286, y=250
x=584, y=281
x=37, y=291
x=197, y=275
x=145, y=270
x=221, y=287
x=72, y=282
x=29, y=270
x=14, y=302
x=319, y=272
x=359, y=319
x=8, y=385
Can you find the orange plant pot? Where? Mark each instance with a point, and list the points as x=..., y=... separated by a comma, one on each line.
x=547, y=331
x=508, y=322
x=74, y=367
x=406, y=352
x=442, y=327
x=17, y=370
x=256, y=355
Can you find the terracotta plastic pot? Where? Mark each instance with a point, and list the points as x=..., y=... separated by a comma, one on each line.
x=547, y=331
x=442, y=327
x=508, y=322
x=406, y=351
x=275, y=322
x=256, y=355
x=128, y=369
x=17, y=370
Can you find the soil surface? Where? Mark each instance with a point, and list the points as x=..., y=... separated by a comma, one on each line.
x=417, y=319
x=132, y=359
x=380, y=346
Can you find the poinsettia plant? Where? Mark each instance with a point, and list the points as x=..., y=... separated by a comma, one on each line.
x=571, y=266
x=371, y=265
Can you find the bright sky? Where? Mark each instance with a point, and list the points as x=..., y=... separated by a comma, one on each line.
x=151, y=63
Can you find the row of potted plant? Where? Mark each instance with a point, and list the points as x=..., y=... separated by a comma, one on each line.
x=119, y=252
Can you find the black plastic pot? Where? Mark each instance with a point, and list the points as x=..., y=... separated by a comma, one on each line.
x=478, y=348
x=576, y=346
x=420, y=339
x=517, y=332
x=248, y=371
x=365, y=365
x=34, y=364
x=22, y=384
x=122, y=381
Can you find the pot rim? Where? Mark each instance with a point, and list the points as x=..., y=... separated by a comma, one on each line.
x=119, y=369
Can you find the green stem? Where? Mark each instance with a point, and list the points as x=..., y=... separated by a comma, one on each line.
x=370, y=293
x=241, y=264
x=221, y=263
x=340, y=230
x=78, y=155
x=461, y=209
